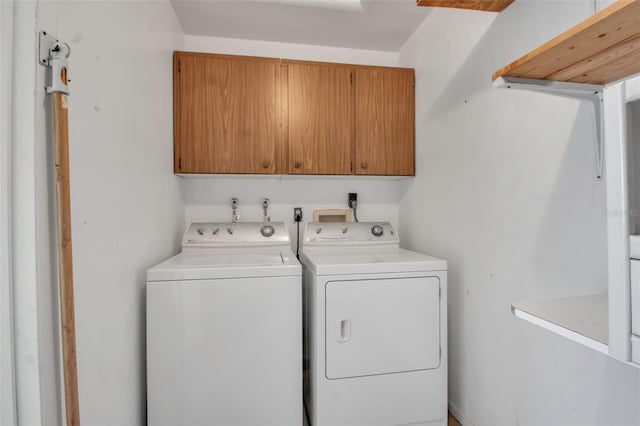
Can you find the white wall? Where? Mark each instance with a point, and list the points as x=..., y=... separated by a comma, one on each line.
x=506, y=192
x=273, y=49
x=508, y=198
x=35, y=356
x=207, y=199
x=7, y=338
x=127, y=210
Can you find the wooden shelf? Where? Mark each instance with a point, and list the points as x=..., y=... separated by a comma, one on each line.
x=599, y=50
x=583, y=319
x=484, y=5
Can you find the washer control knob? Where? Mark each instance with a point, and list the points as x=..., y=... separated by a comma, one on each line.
x=267, y=230
x=377, y=230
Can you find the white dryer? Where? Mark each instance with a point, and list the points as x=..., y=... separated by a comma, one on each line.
x=224, y=329
x=375, y=328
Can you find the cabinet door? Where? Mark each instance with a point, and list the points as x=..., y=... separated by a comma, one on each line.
x=385, y=122
x=226, y=114
x=320, y=105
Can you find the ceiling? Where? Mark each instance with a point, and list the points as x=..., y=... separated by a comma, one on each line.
x=362, y=24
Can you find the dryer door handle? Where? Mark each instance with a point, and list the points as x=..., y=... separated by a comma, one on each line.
x=343, y=330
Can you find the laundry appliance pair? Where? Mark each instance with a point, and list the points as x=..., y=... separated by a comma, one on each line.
x=225, y=329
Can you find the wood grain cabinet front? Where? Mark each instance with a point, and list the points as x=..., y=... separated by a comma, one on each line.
x=320, y=117
x=385, y=122
x=243, y=115
x=226, y=114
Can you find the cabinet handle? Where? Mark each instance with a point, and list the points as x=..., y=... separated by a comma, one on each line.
x=265, y=165
x=297, y=164
x=364, y=164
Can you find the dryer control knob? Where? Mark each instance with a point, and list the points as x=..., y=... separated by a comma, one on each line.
x=267, y=230
x=377, y=230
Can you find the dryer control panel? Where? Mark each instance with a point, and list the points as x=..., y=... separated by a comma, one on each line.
x=365, y=233
x=236, y=234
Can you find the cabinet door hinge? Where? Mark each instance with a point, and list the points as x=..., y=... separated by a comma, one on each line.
x=179, y=163
x=179, y=69
x=414, y=82
x=351, y=78
x=351, y=166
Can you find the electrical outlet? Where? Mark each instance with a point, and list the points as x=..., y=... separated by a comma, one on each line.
x=353, y=197
x=297, y=214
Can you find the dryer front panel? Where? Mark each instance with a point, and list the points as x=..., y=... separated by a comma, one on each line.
x=382, y=326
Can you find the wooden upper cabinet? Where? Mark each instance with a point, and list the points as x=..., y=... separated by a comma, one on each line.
x=385, y=121
x=227, y=114
x=245, y=115
x=320, y=118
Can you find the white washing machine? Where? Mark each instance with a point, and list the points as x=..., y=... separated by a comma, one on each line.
x=375, y=328
x=224, y=329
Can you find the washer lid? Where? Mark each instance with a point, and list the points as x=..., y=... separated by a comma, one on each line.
x=367, y=260
x=214, y=264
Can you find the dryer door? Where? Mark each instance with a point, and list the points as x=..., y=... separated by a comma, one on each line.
x=382, y=326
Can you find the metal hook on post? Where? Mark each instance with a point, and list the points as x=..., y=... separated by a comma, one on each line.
x=54, y=54
x=59, y=54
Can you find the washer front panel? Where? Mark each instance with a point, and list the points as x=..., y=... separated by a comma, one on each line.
x=216, y=347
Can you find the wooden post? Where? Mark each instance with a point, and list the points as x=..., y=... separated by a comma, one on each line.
x=65, y=258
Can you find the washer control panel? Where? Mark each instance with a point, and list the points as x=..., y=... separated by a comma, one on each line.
x=349, y=233
x=232, y=234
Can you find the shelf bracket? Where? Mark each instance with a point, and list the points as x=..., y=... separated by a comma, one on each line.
x=583, y=91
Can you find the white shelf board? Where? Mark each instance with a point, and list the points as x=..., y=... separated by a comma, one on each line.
x=583, y=319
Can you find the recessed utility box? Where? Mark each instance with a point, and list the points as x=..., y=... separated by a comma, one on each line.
x=332, y=215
